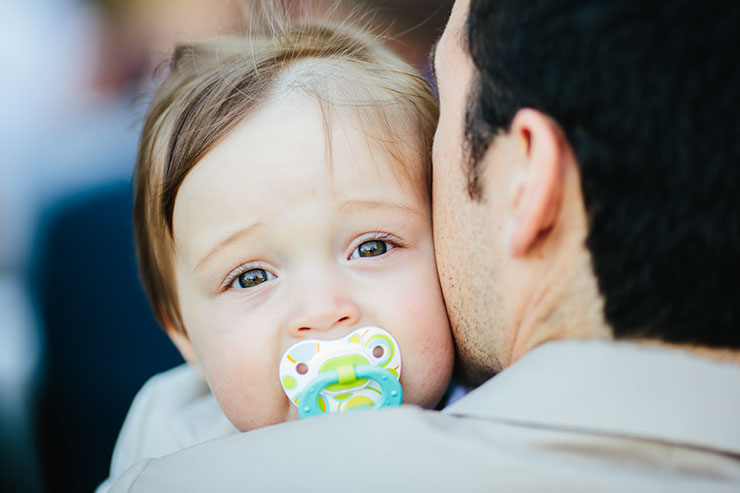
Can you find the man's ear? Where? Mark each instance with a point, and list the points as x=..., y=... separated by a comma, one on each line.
x=540, y=150
x=182, y=342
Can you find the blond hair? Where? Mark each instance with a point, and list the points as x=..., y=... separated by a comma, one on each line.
x=212, y=86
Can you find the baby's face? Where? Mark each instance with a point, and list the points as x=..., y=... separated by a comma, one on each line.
x=275, y=244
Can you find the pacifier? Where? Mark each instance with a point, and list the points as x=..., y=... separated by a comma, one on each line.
x=358, y=371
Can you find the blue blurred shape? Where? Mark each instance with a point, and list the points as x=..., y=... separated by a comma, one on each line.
x=102, y=342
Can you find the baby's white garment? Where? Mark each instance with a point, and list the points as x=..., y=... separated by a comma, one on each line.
x=172, y=411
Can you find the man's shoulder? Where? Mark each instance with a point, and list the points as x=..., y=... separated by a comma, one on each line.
x=172, y=410
x=617, y=389
x=536, y=425
x=162, y=399
x=409, y=449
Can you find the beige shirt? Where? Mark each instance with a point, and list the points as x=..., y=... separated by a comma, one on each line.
x=569, y=416
x=172, y=411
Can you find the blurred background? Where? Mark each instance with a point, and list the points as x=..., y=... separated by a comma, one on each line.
x=77, y=338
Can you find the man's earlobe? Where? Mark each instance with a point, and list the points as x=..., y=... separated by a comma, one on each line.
x=538, y=198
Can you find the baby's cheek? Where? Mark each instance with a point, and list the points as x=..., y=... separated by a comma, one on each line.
x=433, y=357
x=247, y=391
x=252, y=402
x=426, y=321
x=427, y=363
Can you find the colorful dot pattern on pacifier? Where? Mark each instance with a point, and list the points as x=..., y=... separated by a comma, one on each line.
x=310, y=360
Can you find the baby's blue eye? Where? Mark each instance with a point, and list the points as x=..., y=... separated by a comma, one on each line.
x=372, y=248
x=252, y=278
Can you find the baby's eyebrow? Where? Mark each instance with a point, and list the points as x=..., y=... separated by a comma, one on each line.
x=232, y=238
x=374, y=204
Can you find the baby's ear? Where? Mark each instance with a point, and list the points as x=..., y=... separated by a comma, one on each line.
x=183, y=344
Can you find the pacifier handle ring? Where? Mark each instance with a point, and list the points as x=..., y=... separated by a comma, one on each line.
x=308, y=402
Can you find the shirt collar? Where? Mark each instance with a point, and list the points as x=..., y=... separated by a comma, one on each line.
x=616, y=388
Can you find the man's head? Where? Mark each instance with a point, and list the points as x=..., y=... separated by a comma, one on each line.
x=586, y=164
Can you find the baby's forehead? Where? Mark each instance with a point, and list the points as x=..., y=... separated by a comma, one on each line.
x=387, y=139
x=356, y=103
x=295, y=139
x=287, y=167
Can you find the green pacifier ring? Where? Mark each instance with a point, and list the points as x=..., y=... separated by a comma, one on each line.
x=308, y=402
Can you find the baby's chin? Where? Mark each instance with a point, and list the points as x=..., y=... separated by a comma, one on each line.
x=427, y=401
x=292, y=414
x=425, y=397
x=245, y=423
x=425, y=394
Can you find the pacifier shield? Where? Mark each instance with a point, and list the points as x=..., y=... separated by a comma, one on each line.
x=358, y=371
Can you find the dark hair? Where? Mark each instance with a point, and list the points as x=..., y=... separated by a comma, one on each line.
x=648, y=95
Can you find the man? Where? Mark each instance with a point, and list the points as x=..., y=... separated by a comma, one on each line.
x=588, y=238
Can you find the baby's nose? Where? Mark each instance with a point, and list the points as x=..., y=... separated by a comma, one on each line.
x=326, y=315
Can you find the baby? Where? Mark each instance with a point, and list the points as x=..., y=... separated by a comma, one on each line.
x=282, y=195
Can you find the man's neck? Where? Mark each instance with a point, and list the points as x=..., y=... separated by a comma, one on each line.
x=565, y=305
x=724, y=355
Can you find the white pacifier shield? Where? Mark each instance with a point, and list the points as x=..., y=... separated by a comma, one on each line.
x=305, y=360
